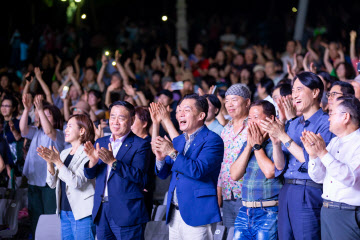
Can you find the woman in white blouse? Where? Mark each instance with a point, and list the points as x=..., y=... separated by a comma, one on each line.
x=74, y=192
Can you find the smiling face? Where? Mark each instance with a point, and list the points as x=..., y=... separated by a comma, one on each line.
x=189, y=117
x=120, y=121
x=334, y=93
x=237, y=106
x=303, y=97
x=92, y=100
x=73, y=131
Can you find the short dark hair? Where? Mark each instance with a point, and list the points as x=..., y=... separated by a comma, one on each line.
x=84, y=121
x=125, y=104
x=201, y=103
x=268, y=107
x=285, y=89
x=214, y=101
x=14, y=103
x=351, y=105
x=312, y=81
x=144, y=116
x=56, y=114
x=345, y=87
x=167, y=93
x=268, y=84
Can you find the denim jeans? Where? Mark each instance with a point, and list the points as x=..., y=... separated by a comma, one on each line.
x=71, y=229
x=230, y=211
x=256, y=223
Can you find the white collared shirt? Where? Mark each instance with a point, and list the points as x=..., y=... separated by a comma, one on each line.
x=339, y=170
x=115, y=145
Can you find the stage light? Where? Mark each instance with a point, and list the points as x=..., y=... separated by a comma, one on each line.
x=63, y=0
x=113, y=63
x=77, y=1
x=294, y=9
x=107, y=53
x=164, y=18
x=83, y=16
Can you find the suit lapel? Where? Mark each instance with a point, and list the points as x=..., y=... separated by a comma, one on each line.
x=199, y=139
x=125, y=147
x=77, y=155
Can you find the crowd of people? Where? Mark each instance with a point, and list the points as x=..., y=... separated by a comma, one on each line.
x=271, y=139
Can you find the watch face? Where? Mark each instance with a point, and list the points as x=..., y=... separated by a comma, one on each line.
x=287, y=144
x=257, y=147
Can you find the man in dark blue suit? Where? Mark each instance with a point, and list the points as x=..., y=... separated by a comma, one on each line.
x=119, y=164
x=194, y=159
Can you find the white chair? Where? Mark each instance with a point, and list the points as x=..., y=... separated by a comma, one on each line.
x=48, y=227
x=11, y=219
x=156, y=231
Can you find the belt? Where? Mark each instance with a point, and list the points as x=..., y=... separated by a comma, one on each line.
x=339, y=205
x=104, y=199
x=260, y=204
x=175, y=206
x=306, y=182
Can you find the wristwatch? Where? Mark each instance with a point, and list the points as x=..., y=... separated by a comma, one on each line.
x=287, y=144
x=257, y=147
x=173, y=155
x=113, y=166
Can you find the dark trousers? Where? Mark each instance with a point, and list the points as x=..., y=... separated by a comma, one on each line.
x=107, y=229
x=340, y=224
x=299, y=212
x=41, y=200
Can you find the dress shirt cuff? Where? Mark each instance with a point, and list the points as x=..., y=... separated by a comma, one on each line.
x=327, y=159
x=159, y=164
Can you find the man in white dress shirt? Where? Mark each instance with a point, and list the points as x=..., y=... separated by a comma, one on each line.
x=337, y=166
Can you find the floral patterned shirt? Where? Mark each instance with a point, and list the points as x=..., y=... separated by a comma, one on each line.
x=233, y=143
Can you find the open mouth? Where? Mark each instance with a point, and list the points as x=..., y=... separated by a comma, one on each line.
x=182, y=122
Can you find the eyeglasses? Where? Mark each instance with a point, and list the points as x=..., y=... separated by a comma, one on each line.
x=6, y=106
x=332, y=94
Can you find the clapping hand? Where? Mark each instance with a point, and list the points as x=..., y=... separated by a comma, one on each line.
x=91, y=152
x=154, y=113
x=106, y=155
x=27, y=101
x=314, y=144
x=162, y=147
x=286, y=103
x=274, y=127
x=50, y=155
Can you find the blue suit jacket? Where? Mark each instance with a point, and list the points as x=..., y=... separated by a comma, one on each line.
x=125, y=184
x=195, y=176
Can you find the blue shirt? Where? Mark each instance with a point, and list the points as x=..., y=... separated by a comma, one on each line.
x=255, y=185
x=216, y=127
x=317, y=123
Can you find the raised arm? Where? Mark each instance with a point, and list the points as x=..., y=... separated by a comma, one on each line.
x=73, y=80
x=57, y=68
x=27, y=102
x=43, y=85
x=166, y=121
x=77, y=66
x=27, y=84
x=121, y=69
x=45, y=123
x=100, y=76
x=328, y=65
x=128, y=69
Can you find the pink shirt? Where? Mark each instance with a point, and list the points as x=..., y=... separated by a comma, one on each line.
x=233, y=143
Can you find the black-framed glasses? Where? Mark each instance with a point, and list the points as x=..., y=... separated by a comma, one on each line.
x=332, y=94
